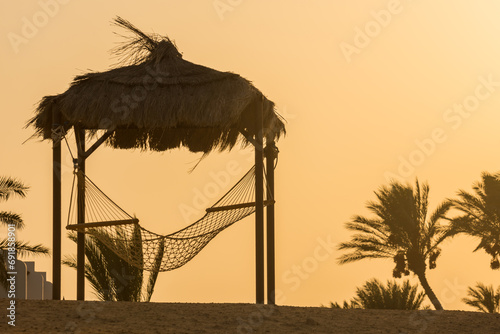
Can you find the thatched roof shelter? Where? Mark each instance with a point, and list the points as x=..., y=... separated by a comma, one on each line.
x=157, y=100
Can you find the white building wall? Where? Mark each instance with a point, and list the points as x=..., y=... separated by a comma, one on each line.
x=30, y=284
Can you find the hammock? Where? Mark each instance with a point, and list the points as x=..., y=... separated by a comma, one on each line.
x=123, y=234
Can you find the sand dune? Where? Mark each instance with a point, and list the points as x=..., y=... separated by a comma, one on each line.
x=37, y=316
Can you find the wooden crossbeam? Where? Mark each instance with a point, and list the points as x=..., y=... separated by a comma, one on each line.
x=98, y=142
x=99, y=224
x=236, y=206
x=248, y=136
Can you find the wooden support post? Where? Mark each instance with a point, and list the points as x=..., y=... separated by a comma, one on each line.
x=259, y=206
x=80, y=253
x=56, y=205
x=270, y=153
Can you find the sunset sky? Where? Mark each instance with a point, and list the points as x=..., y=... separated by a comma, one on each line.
x=371, y=90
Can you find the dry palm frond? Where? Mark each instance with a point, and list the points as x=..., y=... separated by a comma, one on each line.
x=136, y=48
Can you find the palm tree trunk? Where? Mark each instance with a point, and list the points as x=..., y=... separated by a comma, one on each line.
x=428, y=291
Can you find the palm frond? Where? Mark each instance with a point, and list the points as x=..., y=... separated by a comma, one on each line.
x=100, y=289
x=24, y=248
x=375, y=295
x=352, y=304
x=440, y=212
x=365, y=242
x=480, y=215
x=153, y=275
x=10, y=186
x=370, y=226
x=359, y=255
x=7, y=218
x=136, y=48
x=110, y=276
x=3, y=273
x=483, y=298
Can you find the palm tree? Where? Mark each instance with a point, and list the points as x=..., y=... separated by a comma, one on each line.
x=480, y=215
x=111, y=277
x=401, y=231
x=12, y=187
x=375, y=295
x=484, y=298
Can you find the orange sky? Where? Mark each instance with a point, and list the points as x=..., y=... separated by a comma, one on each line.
x=369, y=89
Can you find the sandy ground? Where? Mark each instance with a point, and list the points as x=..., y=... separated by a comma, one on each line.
x=124, y=317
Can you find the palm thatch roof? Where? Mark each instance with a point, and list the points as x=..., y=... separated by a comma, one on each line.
x=157, y=100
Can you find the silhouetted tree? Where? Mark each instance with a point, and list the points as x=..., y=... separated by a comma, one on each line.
x=111, y=277
x=483, y=298
x=375, y=295
x=480, y=215
x=12, y=187
x=400, y=230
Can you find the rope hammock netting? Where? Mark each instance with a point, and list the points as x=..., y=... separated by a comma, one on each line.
x=150, y=251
